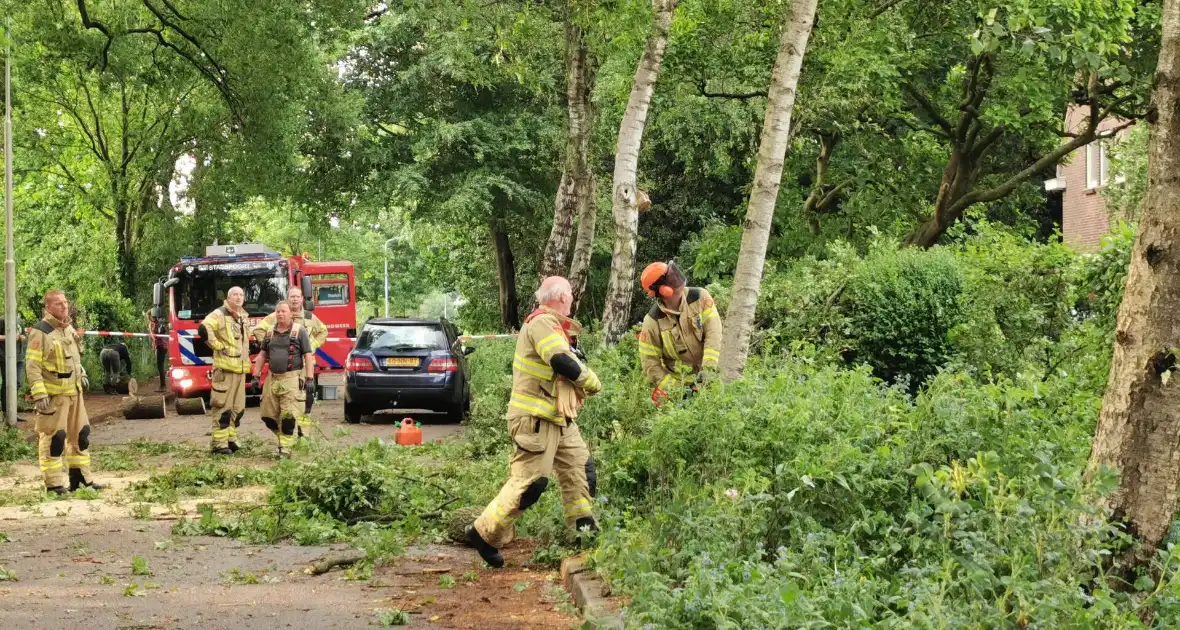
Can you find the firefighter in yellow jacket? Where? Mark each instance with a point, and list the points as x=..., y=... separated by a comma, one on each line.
x=286, y=349
x=226, y=332
x=548, y=383
x=53, y=363
x=682, y=328
x=318, y=333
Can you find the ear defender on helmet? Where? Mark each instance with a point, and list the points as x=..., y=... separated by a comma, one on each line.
x=662, y=279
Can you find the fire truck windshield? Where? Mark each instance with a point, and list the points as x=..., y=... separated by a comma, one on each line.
x=203, y=288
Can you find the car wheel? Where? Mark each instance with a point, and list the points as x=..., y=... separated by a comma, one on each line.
x=352, y=413
x=457, y=413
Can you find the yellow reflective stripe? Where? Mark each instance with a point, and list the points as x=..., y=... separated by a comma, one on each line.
x=666, y=381
x=60, y=359
x=38, y=388
x=499, y=515
x=550, y=345
x=648, y=349
x=708, y=314
x=33, y=355
x=76, y=461
x=58, y=390
x=669, y=347
x=221, y=434
x=711, y=356
x=592, y=382
x=50, y=464
x=533, y=405
x=533, y=368
x=581, y=507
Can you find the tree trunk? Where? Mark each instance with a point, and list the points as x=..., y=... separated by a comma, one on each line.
x=190, y=406
x=1138, y=430
x=143, y=407
x=583, y=247
x=125, y=253
x=617, y=310
x=506, y=272
x=958, y=179
x=767, y=177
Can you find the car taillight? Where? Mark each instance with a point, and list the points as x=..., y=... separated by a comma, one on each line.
x=179, y=373
x=443, y=365
x=360, y=364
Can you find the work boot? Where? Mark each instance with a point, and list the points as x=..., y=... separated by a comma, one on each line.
x=233, y=447
x=586, y=524
x=78, y=481
x=223, y=451
x=490, y=554
x=58, y=490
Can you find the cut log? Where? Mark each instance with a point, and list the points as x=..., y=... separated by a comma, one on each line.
x=143, y=407
x=190, y=406
x=344, y=559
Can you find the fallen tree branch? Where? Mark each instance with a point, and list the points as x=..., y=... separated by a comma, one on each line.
x=328, y=563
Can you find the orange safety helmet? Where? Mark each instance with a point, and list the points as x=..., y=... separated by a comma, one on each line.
x=661, y=278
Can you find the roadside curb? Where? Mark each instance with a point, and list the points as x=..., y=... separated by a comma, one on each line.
x=586, y=588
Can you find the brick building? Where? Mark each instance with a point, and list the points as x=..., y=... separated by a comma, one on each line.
x=1080, y=180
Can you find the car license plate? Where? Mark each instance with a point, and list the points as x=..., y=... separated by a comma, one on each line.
x=401, y=362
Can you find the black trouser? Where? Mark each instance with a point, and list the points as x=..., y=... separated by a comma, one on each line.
x=162, y=364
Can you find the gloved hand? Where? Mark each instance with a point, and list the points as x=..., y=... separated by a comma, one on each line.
x=42, y=405
x=706, y=376
x=658, y=396
x=85, y=383
x=308, y=385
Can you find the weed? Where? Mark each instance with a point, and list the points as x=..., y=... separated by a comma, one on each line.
x=521, y=587
x=139, y=566
x=13, y=446
x=86, y=494
x=388, y=617
x=6, y=575
x=106, y=578
x=471, y=577
x=141, y=511
x=237, y=576
x=132, y=590
x=195, y=480
x=446, y=581
x=3, y=537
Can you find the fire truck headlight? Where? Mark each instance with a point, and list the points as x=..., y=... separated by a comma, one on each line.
x=179, y=373
x=186, y=383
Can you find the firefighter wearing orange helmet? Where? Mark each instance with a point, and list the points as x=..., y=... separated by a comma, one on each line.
x=683, y=327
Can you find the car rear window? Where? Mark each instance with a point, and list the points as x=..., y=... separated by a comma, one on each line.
x=402, y=337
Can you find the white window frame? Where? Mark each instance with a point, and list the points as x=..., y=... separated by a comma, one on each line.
x=1097, y=165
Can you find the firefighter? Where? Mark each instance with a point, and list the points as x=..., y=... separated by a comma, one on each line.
x=682, y=328
x=116, y=364
x=157, y=326
x=53, y=364
x=225, y=331
x=548, y=383
x=318, y=333
x=287, y=350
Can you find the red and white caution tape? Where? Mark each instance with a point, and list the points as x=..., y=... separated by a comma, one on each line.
x=474, y=337
x=115, y=333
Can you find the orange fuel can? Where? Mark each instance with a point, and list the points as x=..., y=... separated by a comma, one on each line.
x=408, y=433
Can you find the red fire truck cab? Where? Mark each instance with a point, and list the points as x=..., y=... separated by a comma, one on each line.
x=197, y=286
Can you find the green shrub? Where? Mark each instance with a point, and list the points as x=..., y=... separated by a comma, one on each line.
x=13, y=445
x=901, y=305
x=1018, y=302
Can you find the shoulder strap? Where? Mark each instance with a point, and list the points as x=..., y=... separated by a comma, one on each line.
x=44, y=327
x=694, y=294
x=655, y=312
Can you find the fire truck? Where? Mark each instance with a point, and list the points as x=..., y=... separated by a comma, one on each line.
x=196, y=286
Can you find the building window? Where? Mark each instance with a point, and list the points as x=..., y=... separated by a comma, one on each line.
x=1097, y=165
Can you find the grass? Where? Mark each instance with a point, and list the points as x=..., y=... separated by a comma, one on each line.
x=388, y=617
x=139, y=566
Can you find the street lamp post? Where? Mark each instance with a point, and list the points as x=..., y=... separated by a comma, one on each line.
x=386, y=250
x=10, y=331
